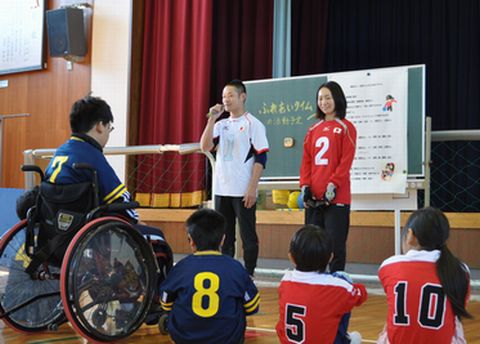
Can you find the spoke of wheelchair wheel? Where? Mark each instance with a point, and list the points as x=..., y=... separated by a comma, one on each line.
x=31, y=300
x=85, y=287
x=85, y=296
x=87, y=306
x=122, y=242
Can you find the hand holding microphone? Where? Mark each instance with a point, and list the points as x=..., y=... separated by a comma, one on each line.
x=215, y=111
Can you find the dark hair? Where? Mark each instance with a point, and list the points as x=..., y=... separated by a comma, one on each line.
x=431, y=228
x=239, y=85
x=26, y=201
x=206, y=228
x=87, y=112
x=338, y=97
x=311, y=248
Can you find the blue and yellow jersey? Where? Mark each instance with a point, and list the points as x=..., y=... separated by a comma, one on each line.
x=208, y=296
x=82, y=148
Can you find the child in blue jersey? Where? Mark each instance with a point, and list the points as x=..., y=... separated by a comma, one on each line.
x=208, y=294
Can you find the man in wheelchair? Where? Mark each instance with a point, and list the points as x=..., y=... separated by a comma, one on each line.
x=91, y=122
x=77, y=180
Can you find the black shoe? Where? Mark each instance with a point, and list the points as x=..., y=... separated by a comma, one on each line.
x=154, y=314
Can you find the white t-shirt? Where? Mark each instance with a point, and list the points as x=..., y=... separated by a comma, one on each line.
x=236, y=138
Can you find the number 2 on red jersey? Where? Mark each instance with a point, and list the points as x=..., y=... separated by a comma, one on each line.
x=323, y=143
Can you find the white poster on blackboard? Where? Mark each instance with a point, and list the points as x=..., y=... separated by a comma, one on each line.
x=21, y=35
x=377, y=106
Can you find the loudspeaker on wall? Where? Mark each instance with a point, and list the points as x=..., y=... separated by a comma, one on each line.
x=66, y=32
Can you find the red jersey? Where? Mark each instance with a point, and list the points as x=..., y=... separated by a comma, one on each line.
x=312, y=305
x=418, y=308
x=328, y=152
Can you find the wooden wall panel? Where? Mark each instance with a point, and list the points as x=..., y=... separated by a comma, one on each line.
x=136, y=64
x=370, y=240
x=364, y=245
x=175, y=235
x=464, y=244
x=47, y=95
x=274, y=240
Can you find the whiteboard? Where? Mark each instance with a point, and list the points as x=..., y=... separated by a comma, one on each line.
x=21, y=35
x=285, y=106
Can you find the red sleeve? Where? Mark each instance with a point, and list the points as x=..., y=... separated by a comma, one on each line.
x=348, y=152
x=306, y=166
x=361, y=293
x=357, y=296
x=381, y=277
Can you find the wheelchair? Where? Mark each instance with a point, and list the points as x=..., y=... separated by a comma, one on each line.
x=72, y=260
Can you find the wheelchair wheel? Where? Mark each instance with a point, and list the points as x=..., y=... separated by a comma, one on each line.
x=108, y=280
x=30, y=305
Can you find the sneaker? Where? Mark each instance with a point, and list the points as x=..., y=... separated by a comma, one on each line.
x=355, y=337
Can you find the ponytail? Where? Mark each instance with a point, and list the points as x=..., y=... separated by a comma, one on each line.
x=455, y=281
x=431, y=228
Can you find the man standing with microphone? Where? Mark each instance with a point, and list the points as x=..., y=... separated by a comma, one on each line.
x=241, y=145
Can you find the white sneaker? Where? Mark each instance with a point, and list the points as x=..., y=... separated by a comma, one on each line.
x=355, y=337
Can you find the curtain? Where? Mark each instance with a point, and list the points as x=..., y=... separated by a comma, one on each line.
x=442, y=34
x=309, y=32
x=242, y=42
x=174, y=99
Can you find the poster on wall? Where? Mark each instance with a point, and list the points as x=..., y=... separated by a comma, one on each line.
x=377, y=106
x=21, y=35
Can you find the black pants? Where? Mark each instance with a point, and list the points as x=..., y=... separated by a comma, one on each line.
x=161, y=249
x=232, y=208
x=335, y=219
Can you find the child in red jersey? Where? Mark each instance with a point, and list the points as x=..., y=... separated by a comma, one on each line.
x=315, y=306
x=427, y=287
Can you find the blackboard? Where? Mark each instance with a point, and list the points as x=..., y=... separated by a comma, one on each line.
x=287, y=106
x=21, y=35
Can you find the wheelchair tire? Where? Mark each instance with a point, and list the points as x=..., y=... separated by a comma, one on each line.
x=109, y=270
x=17, y=287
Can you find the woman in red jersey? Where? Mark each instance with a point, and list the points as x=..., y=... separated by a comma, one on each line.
x=328, y=152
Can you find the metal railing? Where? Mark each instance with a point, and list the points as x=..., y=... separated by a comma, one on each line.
x=183, y=149
x=439, y=136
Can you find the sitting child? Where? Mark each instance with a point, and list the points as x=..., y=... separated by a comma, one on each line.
x=419, y=283
x=208, y=294
x=314, y=305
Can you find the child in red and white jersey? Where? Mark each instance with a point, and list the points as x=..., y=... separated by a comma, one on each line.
x=427, y=287
x=314, y=305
